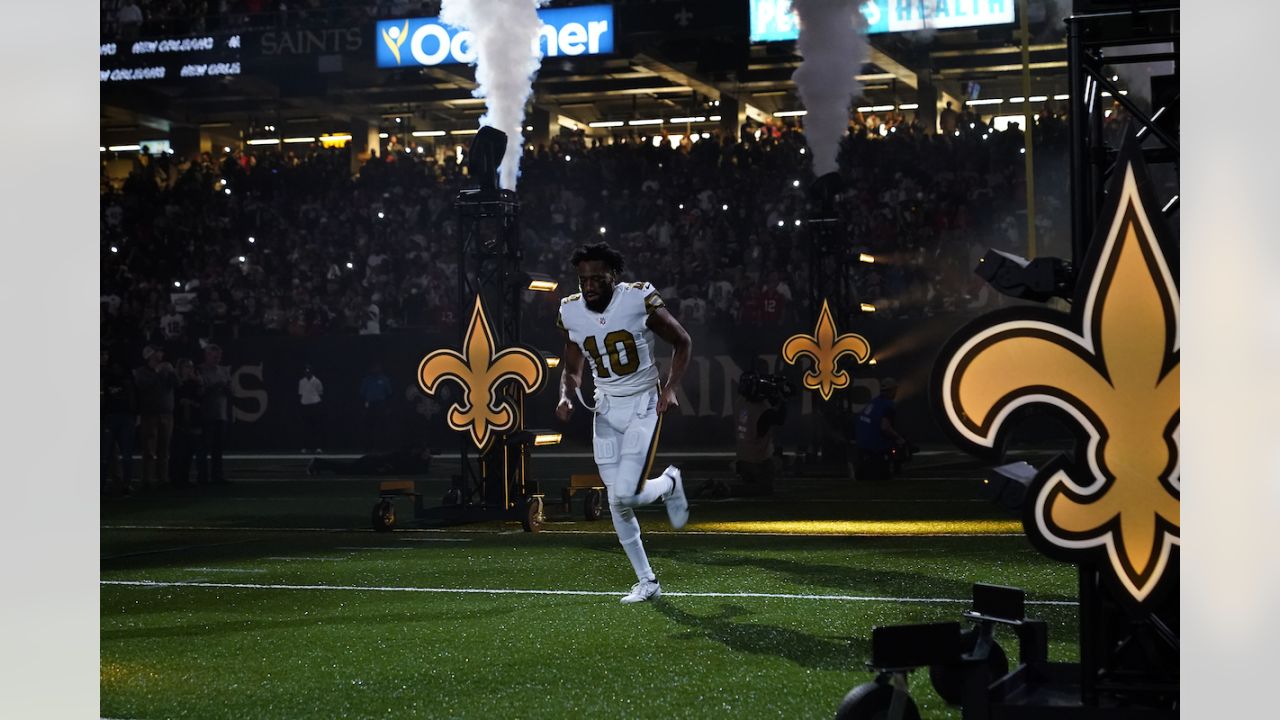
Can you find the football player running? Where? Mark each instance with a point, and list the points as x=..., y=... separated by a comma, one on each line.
x=613, y=323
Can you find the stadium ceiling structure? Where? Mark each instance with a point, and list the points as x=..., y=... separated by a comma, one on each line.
x=650, y=75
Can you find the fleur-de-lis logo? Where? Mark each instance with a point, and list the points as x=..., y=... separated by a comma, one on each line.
x=825, y=346
x=480, y=369
x=1112, y=369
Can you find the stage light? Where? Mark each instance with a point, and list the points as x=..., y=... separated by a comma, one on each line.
x=724, y=206
x=822, y=195
x=797, y=223
x=115, y=249
x=381, y=215
x=780, y=223
x=226, y=148
x=538, y=282
x=602, y=230
x=867, y=307
x=872, y=361
x=384, y=136
x=484, y=156
x=101, y=149
x=1006, y=485
x=227, y=191
x=1039, y=279
x=795, y=183
x=681, y=206
x=177, y=284
x=251, y=240
x=397, y=121
x=1022, y=151
x=863, y=257
x=546, y=438
x=802, y=151
x=241, y=259
x=528, y=128
x=566, y=158
x=350, y=266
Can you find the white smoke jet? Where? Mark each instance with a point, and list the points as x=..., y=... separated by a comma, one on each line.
x=833, y=43
x=507, y=58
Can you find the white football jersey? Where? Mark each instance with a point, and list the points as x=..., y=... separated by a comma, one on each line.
x=617, y=342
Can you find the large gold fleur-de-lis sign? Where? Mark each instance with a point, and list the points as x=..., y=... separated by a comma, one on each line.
x=480, y=369
x=1111, y=369
x=825, y=347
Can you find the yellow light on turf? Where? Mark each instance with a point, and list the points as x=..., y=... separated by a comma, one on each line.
x=546, y=439
x=863, y=527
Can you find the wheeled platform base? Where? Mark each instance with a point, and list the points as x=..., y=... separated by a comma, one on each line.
x=528, y=509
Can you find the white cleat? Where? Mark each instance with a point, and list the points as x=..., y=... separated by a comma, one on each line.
x=676, y=501
x=643, y=590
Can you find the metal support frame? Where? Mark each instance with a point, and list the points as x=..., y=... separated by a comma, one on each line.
x=1119, y=647
x=1089, y=36
x=489, y=265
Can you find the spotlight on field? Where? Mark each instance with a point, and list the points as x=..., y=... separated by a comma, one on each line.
x=1039, y=279
x=822, y=195
x=538, y=282
x=487, y=149
x=1006, y=485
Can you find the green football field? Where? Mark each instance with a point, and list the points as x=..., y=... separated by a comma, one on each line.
x=271, y=598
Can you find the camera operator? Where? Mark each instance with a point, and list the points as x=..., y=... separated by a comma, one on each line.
x=876, y=437
x=760, y=408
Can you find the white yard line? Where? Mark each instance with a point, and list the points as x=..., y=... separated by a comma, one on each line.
x=513, y=591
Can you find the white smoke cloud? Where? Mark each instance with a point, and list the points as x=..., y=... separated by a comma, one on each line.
x=833, y=43
x=507, y=58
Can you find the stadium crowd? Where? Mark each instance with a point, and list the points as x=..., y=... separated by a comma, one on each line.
x=251, y=243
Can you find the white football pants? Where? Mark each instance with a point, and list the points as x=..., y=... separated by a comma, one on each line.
x=625, y=438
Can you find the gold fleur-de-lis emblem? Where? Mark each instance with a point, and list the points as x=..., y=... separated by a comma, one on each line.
x=480, y=369
x=825, y=347
x=1112, y=369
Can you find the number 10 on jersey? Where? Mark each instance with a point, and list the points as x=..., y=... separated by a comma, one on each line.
x=616, y=344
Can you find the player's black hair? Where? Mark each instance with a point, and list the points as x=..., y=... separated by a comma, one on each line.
x=600, y=251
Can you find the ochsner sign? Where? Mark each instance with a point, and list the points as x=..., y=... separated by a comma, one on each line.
x=583, y=30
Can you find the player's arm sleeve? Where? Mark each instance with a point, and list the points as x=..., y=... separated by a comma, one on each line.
x=652, y=299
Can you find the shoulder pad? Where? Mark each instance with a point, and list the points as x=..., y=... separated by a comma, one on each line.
x=571, y=298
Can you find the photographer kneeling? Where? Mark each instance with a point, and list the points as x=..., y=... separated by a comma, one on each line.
x=877, y=439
